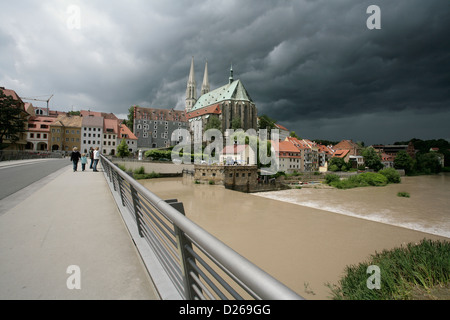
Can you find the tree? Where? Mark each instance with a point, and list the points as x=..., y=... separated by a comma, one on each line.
x=12, y=123
x=122, y=149
x=404, y=161
x=338, y=164
x=236, y=123
x=372, y=159
x=213, y=123
x=294, y=135
x=428, y=163
x=130, y=122
x=266, y=123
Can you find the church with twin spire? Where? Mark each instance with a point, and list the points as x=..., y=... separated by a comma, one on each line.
x=230, y=104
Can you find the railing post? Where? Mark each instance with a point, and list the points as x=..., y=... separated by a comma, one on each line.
x=136, y=205
x=183, y=242
x=119, y=182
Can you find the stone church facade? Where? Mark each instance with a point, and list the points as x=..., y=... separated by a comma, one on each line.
x=230, y=104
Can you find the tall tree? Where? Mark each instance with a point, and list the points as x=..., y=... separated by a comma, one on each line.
x=214, y=123
x=130, y=122
x=122, y=149
x=265, y=122
x=404, y=161
x=236, y=123
x=372, y=159
x=12, y=123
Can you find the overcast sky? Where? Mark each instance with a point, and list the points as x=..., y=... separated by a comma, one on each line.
x=314, y=66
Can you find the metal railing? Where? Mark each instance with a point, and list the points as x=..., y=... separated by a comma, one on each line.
x=199, y=265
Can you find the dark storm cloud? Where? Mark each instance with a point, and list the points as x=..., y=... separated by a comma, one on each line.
x=312, y=65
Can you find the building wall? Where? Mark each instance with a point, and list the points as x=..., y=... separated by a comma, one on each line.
x=109, y=143
x=91, y=137
x=72, y=139
x=156, y=133
x=241, y=178
x=245, y=110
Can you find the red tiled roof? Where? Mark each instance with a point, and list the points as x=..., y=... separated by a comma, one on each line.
x=341, y=153
x=111, y=124
x=159, y=114
x=124, y=130
x=213, y=109
x=279, y=126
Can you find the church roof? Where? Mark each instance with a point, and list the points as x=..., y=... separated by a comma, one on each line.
x=232, y=91
x=213, y=109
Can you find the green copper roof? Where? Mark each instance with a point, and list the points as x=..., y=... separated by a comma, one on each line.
x=232, y=91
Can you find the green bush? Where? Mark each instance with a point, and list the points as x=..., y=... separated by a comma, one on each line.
x=333, y=168
x=139, y=176
x=403, y=194
x=404, y=272
x=359, y=180
x=391, y=174
x=140, y=170
x=331, y=177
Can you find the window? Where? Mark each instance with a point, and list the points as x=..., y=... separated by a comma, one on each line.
x=38, y=135
x=45, y=136
x=31, y=135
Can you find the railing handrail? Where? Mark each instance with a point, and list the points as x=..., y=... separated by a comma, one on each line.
x=260, y=282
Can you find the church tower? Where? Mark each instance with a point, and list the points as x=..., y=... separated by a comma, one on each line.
x=191, y=89
x=205, y=85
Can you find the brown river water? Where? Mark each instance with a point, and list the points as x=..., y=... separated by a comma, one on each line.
x=306, y=237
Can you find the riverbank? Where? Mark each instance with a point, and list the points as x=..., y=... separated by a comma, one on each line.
x=301, y=246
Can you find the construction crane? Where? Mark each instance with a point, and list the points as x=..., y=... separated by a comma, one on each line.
x=48, y=113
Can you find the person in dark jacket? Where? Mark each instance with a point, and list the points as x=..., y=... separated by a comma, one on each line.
x=75, y=157
x=91, y=156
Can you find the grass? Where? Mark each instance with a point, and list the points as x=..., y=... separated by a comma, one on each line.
x=139, y=176
x=414, y=271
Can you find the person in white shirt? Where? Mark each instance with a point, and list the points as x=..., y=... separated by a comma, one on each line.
x=96, y=158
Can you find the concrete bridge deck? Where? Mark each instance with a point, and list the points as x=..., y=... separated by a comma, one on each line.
x=64, y=231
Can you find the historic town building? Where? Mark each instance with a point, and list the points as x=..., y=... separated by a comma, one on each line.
x=230, y=104
x=154, y=127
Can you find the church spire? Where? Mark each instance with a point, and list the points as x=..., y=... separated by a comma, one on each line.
x=191, y=89
x=230, y=79
x=205, y=85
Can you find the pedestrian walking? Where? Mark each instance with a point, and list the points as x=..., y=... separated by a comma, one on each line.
x=83, y=161
x=75, y=157
x=96, y=158
x=91, y=156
